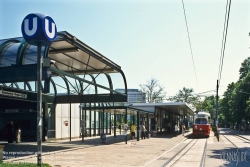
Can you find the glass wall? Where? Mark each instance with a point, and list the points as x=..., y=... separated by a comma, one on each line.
x=93, y=131
x=87, y=122
x=109, y=123
x=98, y=122
x=51, y=121
x=163, y=121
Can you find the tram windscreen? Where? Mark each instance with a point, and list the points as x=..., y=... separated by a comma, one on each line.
x=201, y=121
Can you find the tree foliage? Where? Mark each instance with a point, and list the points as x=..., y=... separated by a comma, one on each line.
x=209, y=105
x=235, y=105
x=227, y=106
x=245, y=68
x=186, y=95
x=153, y=90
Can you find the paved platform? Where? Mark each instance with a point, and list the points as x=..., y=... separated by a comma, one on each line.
x=92, y=152
x=151, y=152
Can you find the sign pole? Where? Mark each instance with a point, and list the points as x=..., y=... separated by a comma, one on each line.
x=217, y=87
x=216, y=120
x=39, y=107
x=42, y=33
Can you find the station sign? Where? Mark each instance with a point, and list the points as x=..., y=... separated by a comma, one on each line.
x=13, y=94
x=39, y=29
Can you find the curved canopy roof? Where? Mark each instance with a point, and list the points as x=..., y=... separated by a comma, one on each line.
x=69, y=54
x=78, y=65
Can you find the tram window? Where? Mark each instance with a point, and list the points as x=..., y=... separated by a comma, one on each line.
x=201, y=121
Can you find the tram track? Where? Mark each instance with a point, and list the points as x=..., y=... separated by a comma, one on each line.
x=176, y=158
x=201, y=152
x=204, y=155
x=240, y=138
x=165, y=164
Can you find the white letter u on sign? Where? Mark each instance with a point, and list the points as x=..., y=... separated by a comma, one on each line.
x=34, y=27
x=52, y=33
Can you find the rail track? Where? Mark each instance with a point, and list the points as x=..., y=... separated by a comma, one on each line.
x=241, y=138
x=187, y=150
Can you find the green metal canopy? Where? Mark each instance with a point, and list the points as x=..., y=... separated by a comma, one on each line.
x=68, y=65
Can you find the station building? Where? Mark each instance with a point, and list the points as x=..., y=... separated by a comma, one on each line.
x=78, y=92
x=134, y=95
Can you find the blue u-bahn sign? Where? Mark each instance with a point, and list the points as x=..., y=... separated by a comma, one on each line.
x=39, y=29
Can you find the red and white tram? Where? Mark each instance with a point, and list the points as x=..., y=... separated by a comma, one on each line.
x=201, y=125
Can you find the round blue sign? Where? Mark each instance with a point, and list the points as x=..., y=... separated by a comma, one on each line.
x=39, y=29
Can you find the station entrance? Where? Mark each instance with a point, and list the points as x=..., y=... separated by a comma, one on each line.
x=74, y=76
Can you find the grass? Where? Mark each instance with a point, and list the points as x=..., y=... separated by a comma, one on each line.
x=21, y=164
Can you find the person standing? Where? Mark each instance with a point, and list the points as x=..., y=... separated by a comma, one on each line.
x=183, y=128
x=120, y=128
x=112, y=127
x=9, y=127
x=17, y=132
x=133, y=127
x=143, y=130
x=176, y=129
x=169, y=127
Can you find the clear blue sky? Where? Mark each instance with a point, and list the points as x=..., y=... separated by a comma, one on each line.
x=149, y=38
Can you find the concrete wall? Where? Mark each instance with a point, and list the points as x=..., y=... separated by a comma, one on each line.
x=63, y=115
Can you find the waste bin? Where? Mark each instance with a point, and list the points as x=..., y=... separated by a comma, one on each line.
x=138, y=133
x=148, y=135
x=1, y=152
x=154, y=133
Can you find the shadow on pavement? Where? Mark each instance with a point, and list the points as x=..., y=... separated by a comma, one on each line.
x=15, y=150
x=231, y=157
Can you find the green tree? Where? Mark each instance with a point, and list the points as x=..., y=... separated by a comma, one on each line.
x=209, y=105
x=245, y=68
x=235, y=104
x=242, y=97
x=227, y=106
x=186, y=95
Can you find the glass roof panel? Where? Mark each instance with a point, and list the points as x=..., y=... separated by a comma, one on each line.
x=52, y=91
x=102, y=80
x=30, y=55
x=8, y=58
x=60, y=85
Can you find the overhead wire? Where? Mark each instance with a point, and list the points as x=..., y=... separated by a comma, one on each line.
x=224, y=40
x=190, y=44
x=197, y=94
x=206, y=92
